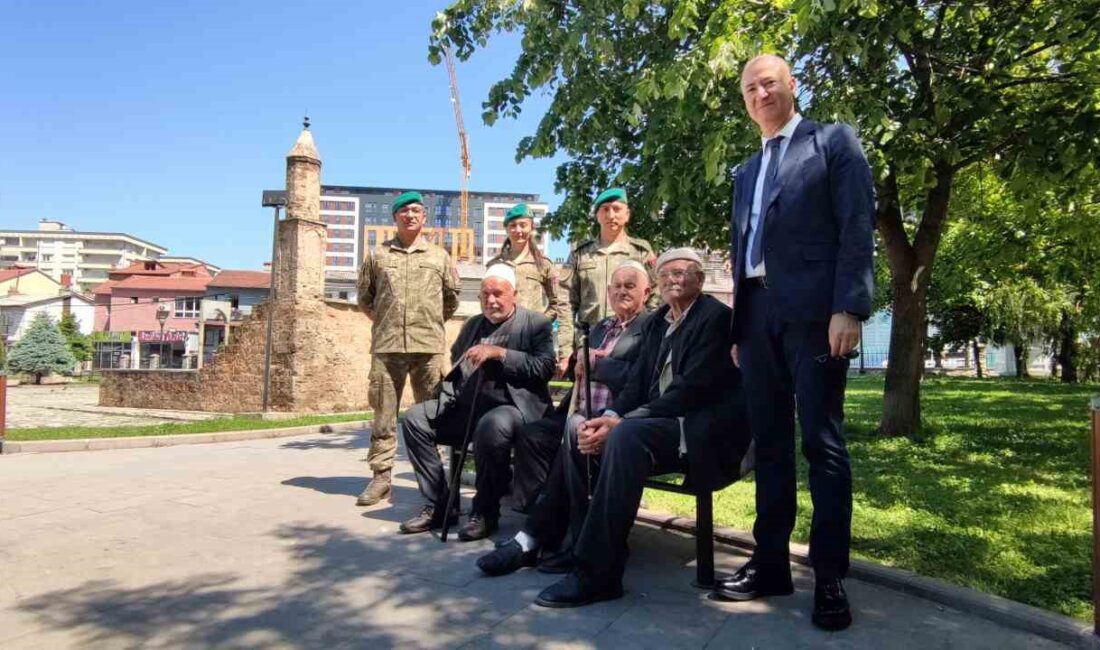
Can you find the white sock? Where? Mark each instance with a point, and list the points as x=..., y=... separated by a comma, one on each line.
x=526, y=542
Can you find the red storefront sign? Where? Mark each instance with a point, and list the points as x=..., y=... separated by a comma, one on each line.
x=170, y=336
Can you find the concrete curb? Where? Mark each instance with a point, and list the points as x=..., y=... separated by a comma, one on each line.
x=136, y=442
x=1002, y=611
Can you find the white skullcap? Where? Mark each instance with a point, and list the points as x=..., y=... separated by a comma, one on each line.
x=502, y=271
x=684, y=253
x=629, y=264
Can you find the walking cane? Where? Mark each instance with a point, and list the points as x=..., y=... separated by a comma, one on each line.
x=456, y=471
x=587, y=403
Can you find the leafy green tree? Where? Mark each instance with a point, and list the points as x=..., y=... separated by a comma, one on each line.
x=645, y=93
x=80, y=345
x=41, y=350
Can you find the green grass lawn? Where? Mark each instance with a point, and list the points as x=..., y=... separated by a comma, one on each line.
x=995, y=497
x=234, y=423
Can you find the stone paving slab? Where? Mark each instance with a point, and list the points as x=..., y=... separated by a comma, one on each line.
x=258, y=544
x=77, y=405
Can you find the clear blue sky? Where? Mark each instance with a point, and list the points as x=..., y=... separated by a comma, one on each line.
x=166, y=120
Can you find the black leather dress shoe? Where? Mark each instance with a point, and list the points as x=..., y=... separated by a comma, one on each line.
x=751, y=582
x=424, y=521
x=578, y=590
x=506, y=558
x=831, y=611
x=477, y=527
x=558, y=563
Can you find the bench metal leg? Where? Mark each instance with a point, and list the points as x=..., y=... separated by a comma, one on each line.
x=704, y=541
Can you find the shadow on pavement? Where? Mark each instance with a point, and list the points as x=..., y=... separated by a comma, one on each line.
x=346, y=485
x=350, y=440
x=344, y=591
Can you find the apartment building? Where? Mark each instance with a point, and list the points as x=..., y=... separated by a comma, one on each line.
x=85, y=257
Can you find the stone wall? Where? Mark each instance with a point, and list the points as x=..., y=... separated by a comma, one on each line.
x=334, y=380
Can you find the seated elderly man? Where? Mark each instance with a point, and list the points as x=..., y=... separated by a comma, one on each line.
x=503, y=360
x=682, y=400
x=563, y=501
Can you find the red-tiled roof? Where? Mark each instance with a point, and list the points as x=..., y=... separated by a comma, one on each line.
x=162, y=283
x=242, y=279
x=160, y=269
x=9, y=274
x=104, y=287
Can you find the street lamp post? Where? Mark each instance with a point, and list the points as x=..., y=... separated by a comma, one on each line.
x=162, y=315
x=275, y=200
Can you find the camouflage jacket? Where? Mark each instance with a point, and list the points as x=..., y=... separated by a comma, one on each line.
x=408, y=293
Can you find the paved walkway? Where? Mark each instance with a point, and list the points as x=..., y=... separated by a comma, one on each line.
x=258, y=544
x=77, y=405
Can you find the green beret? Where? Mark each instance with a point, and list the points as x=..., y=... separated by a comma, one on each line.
x=404, y=199
x=521, y=211
x=613, y=194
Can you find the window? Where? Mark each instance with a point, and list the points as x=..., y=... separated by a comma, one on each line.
x=156, y=298
x=133, y=300
x=188, y=307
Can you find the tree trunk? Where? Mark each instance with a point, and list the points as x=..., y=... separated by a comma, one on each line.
x=978, y=368
x=937, y=358
x=910, y=271
x=901, y=413
x=1068, y=349
x=1022, y=355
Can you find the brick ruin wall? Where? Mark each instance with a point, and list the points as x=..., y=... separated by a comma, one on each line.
x=334, y=379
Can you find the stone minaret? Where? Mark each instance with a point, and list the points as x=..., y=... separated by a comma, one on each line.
x=301, y=263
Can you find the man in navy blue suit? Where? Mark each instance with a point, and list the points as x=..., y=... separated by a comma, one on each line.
x=801, y=230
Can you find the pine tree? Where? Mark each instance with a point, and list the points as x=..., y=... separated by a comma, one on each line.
x=41, y=350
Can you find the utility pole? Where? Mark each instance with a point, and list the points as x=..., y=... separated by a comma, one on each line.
x=277, y=202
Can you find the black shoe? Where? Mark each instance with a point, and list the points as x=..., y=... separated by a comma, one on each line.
x=560, y=562
x=477, y=527
x=423, y=522
x=831, y=611
x=751, y=581
x=506, y=558
x=578, y=590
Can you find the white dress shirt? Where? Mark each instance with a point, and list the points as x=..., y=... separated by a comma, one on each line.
x=758, y=191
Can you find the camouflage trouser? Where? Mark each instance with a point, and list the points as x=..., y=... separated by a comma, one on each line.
x=387, y=382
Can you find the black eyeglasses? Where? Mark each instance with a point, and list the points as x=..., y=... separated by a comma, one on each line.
x=854, y=354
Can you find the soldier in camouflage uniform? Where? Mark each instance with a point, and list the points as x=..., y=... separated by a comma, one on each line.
x=538, y=279
x=409, y=288
x=590, y=265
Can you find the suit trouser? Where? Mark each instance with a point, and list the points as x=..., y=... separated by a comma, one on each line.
x=785, y=364
x=494, y=430
x=387, y=382
x=536, y=445
x=562, y=504
x=636, y=448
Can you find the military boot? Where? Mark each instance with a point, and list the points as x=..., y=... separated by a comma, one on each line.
x=378, y=490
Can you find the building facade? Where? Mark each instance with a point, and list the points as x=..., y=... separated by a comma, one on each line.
x=151, y=314
x=85, y=257
x=349, y=211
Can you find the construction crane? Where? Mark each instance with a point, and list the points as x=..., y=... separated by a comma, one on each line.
x=463, y=150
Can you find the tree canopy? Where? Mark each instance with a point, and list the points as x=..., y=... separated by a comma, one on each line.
x=645, y=94
x=41, y=350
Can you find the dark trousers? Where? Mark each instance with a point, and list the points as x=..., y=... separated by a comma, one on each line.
x=493, y=433
x=560, y=508
x=635, y=449
x=785, y=365
x=536, y=445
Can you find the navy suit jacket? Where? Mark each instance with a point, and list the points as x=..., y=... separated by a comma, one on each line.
x=527, y=365
x=818, y=229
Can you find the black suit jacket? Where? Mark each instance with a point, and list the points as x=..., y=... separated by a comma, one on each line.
x=528, y=364
x=614, y=369
x=705, y=391
x=818, y=229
